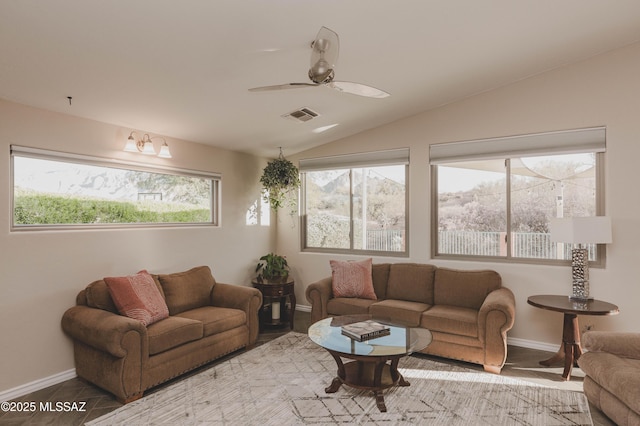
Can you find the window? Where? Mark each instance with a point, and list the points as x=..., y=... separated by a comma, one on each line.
x=356, y=203
x=54, y=190
x=494, y=198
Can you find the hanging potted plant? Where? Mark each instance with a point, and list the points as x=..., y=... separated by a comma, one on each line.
x=272, y=268
x=280, y=178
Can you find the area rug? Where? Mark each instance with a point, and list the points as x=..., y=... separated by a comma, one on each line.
x=282, y=383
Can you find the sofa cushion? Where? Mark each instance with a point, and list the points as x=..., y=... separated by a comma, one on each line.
x=400, y=312
x=136, y=296
x=215, y=319
x=451, y=319
x=619, y=376
x=98, y=297
x=348, y=306
x=172, y=332
x=412, y=282
x=466, y=289
x=352, y=279
x=187, y=290
x=380, y=277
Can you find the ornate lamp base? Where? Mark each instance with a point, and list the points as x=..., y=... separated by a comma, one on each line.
x=580, y=274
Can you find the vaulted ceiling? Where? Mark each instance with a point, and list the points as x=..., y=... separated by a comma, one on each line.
x=183, y=68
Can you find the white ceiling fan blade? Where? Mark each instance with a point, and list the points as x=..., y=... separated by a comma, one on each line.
x=358, y=89
x=283, y=86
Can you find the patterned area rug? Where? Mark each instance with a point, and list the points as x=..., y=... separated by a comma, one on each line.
x=282, y=383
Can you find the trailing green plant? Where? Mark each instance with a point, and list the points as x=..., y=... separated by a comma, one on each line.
x=272, y=267
x=280, y=178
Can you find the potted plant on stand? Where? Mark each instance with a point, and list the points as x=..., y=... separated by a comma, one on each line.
x=272, y=268
x=276, y=288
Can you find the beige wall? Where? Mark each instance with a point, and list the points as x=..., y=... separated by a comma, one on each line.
x=603, y=90
x=41, y=272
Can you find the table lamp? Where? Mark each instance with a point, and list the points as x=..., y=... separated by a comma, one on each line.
x=580, y=230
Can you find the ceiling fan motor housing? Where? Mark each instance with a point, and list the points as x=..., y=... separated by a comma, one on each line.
x=323, y=77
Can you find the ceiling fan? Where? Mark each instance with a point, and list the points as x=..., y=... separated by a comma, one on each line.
x=324, y=55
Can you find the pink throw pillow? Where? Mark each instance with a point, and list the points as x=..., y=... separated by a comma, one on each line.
x=352, y=279
x=137, y=297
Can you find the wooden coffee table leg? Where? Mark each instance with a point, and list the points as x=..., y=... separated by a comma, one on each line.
x=395, y=374
x=380, y=401
x=334, y=386
x=337, y=381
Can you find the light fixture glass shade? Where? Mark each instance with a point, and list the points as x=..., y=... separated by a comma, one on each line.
x=164, y=151
x=148, y=148
x=131, y=145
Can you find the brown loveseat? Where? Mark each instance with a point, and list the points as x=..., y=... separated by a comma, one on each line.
x=121, y=355
x=612, y=374
x=467, y=312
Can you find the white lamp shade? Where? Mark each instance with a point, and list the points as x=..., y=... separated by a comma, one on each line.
x=148, y=148
x=131, y=145
x=164, y=151
x=581, y=230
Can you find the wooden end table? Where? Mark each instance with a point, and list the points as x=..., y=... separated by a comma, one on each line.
x=276, y=293
x=570, y=349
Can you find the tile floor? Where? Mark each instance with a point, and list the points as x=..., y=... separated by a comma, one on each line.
x=521, y=363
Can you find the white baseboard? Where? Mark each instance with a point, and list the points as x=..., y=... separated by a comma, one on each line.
x=37, y=385
x=532, y=344
x=303, y=308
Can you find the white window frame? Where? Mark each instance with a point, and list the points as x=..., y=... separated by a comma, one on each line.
x=588, y=140
x=29, y=152
x=347, y=162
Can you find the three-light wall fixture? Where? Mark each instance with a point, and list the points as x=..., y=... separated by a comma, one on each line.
x=145, y=145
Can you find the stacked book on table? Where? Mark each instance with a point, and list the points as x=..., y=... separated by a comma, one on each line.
x=365, y=330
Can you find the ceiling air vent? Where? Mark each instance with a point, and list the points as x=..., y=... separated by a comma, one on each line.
x=301, y=115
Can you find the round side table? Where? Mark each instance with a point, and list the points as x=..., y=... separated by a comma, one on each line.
x=570, y=350
x=278, y=303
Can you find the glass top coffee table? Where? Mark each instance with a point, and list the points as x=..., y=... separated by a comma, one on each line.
x=374, y=362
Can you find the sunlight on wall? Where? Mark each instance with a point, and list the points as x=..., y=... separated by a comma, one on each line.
x=258, y=213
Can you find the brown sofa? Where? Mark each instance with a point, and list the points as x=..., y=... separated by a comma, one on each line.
x=206, y=321
x=612, y=374
x=467, y=312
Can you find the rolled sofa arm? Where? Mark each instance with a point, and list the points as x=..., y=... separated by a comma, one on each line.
x=626, y=345
x=247, y=299
x=318, y=294
x=503, y=301
x=102, y=330
x=496, y=317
